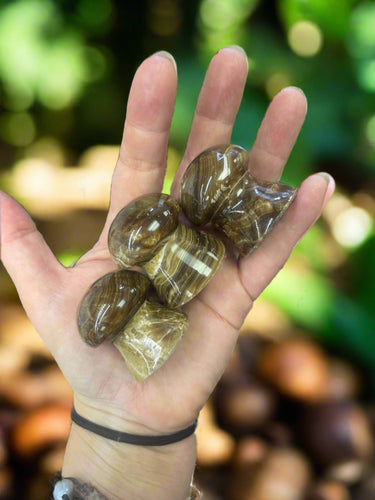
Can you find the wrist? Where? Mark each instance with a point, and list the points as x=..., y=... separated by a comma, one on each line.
x=115, y=417
x=122, y=471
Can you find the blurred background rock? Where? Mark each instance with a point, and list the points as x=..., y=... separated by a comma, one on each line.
x=293, y=417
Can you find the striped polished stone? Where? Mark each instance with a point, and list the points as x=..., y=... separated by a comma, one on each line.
x=109, y=304
x=184, y=265
x=217, y=188
x=140, y=226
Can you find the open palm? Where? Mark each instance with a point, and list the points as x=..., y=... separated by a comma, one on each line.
x=171, y=398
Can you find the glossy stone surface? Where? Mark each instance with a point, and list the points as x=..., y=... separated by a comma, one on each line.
x=140, y=226
x=150, y=337
x=252, y=211
x=209, y=179
x=217, y=188
x=184, y=265
x=109, y=304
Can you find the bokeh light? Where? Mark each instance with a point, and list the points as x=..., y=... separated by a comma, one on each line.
x=276, y=82
x=51, y=190
x=352, y=226
x=332, y=16
x=366, y=75
x=223, y=22
x=221, y=14
x=305, y=38
x=362, y=32
x=43, y=60
x=361, y=44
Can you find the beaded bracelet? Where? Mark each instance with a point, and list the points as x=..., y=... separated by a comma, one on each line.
x=68, y=488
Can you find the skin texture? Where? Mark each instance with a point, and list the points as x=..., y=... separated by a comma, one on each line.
x=170, y=400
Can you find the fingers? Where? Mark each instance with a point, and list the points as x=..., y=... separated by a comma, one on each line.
x=143, y=154
x=259, y=268
x=277, y=134
x=25, y=255
x=217, y=106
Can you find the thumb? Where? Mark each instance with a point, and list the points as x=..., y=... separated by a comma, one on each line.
x=25, y=255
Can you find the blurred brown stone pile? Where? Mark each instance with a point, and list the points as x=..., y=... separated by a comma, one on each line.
x=35, y=403
x=287, y=421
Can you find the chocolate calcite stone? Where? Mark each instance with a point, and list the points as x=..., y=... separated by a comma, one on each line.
x=218, y=188
x=184, y=265
x=109, y=304
x=140, y=226
x=150, y=338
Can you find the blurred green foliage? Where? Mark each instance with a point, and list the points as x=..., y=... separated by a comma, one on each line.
x=66, y=68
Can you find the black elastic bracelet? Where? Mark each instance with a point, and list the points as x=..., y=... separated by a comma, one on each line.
x=124, y=437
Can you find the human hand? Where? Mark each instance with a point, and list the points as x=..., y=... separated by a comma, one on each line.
x=171, y=399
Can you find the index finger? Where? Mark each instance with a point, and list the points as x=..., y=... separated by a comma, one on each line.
x=143, y=154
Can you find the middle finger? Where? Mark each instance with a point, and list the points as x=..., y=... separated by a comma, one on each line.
x=217, y=107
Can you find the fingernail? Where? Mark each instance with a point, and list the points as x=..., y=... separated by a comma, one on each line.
x=328, y=178
x=166, y=55
x=292, y=87
x=238, y=48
